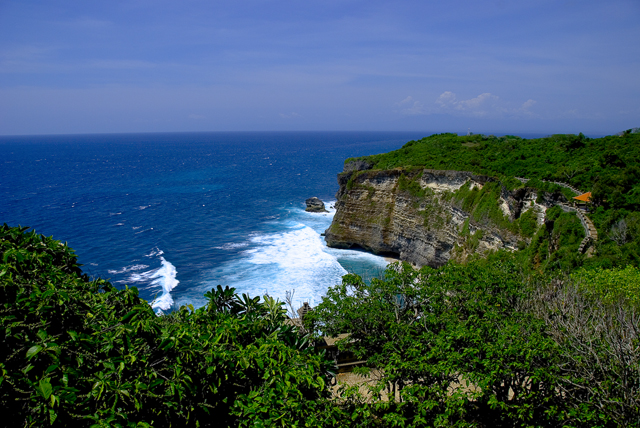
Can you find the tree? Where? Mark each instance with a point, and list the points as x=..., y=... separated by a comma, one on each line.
x=451, y=341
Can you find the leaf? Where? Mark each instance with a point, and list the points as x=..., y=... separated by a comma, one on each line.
x=129, y=315
x=44, y=388
x=33, y=351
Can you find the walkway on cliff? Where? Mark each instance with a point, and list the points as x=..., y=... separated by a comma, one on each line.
x=591, y=234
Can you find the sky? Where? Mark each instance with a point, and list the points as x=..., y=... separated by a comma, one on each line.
x=495, y=66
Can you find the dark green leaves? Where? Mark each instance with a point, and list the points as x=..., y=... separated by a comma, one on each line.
x=75, y=352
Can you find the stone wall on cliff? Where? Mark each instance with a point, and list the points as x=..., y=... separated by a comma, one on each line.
x=415, y=216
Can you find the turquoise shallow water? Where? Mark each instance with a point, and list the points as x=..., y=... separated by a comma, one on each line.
x=177, y=214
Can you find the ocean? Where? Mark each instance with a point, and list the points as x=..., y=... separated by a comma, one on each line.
x=176, y=214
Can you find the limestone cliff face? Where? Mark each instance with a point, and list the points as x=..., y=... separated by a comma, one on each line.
x=415, y=216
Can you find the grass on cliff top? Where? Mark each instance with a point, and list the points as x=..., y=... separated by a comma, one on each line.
x=608, y=166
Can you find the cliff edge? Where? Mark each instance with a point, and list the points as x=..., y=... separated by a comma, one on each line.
x=427, y=217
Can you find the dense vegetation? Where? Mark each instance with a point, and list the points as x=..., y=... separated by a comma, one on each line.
x=609, y=167
x=489, y=345
x=79, y=352
x=486, y=344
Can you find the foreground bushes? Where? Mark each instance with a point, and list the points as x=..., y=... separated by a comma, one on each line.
x=77, y=352
x=476, y=346
x=481, y=345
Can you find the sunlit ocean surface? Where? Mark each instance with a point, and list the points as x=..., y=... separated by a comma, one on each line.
x=177, y=214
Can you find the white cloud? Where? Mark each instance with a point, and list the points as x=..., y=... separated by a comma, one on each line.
x=411, y=107
x=527, y=104
x=524, y=109
x=407, y=100
x=484, y=105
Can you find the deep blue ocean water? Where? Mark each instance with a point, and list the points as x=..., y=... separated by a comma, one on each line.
x=177, y=214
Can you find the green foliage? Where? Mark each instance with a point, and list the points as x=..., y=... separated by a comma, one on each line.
x=554, y=246
x=619, y=238
x=607, y=165
x=598, y=349
x=477, y=345
x=610, y=284
x=486, y=345
x=79, y=352
x=484, y=206
x=411, y=185
x=528, y=223
x=451, y=341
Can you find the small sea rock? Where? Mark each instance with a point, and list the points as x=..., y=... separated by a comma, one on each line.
x=315, y=205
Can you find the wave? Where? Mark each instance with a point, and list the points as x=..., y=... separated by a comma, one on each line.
x=289, y=256
x=232, y=246
x=155, y=252
x=127, y=269
x=293, y=260
x=164, y=277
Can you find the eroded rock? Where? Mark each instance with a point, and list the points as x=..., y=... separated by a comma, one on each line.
x=374, y=213
x=315, y=205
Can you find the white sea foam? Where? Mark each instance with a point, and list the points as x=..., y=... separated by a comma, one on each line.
x=164, y=277
x=161, y=280
x=232, y=246
x=155, y=252
x=295, y=258
x=276, y=263
x=127, y=269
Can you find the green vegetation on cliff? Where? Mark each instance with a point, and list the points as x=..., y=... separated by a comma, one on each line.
x=609, y=167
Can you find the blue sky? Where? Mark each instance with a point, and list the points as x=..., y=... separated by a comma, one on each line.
x=433, y=66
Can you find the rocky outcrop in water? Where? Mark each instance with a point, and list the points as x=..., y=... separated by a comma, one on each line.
x=414, y=215
x=315, y=205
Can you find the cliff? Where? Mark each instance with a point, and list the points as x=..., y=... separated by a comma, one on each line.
x=427, y=217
